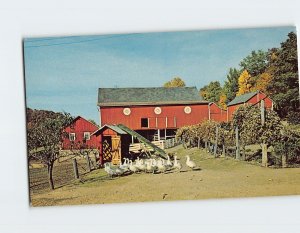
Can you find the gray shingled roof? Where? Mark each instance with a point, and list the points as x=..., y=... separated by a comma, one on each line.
x=148, y=96
x=242, y=98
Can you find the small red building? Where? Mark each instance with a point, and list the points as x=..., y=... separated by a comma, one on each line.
x=80, y=135
x=251, y=98
x=216, y=113
x=155, y=113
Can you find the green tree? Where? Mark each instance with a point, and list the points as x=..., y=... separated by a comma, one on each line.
x=211, y=92
x=284, y=88
x=255, y=63
x=231, y=85
x=252, y=131
x=175, y=82
x=44, y=141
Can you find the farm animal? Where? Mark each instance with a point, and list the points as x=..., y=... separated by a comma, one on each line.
x=177, y=165
x=191, y=164
x=149, y=166
x=169, y=163
x=132, y=167
x=108, y=170
x=160, y=166
x=124, y=166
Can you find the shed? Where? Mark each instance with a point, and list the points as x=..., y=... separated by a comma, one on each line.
x=115, y=141
x=251, y=98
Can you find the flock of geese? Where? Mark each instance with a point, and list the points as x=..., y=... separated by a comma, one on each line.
x=147, y=165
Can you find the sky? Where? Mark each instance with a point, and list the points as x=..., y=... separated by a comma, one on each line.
x=64, y=73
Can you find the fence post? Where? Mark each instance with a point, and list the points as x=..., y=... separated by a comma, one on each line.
x=223, y=151
x=76, y=174
x=262, y=111
x=88, y=162
x=264, y=158
x=237, y=143
x=216, y=144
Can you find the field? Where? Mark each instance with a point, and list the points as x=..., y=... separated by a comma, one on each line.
x=216, y=178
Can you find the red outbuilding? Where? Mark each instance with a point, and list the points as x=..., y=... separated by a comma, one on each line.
x=80, y=135
x=251, y=98
x=155, y=113
x=216, y=113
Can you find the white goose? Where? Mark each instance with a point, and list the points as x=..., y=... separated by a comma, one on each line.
x=191, y=164
x=108, y=170
x=160, y=166
x=177, y=165
x=169, y=163
x=132, y=167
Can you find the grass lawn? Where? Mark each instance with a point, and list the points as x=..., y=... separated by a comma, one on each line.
x=216, y=178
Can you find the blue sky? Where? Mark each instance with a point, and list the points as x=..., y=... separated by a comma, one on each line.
x=64, y=73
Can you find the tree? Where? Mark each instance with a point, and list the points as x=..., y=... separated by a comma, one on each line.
x=245, y=83
x=44, y=140
x=175, y=82
x=252, y=131
x=231, y=85
x=255, y=63
x=284, y=88
x=211, y=92
x=222, y=101
x=262, y=82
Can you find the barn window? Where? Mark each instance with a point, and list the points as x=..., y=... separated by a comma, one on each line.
x=72, y=136
x=87, y=135
x=144, y=122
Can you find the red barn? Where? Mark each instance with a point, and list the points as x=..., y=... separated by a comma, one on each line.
x=155, y=113
x=216, y=113
x=80, y=135
x=251, y=98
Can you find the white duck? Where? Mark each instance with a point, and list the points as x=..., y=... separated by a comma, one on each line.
x=124, y=166
x=132, y=167
x=161, y=166
x=108, y=170
x=177, y=165
x=169, y=163
x=191, y=164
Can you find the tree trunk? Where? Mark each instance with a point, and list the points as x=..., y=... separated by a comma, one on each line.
x=198, y=143
x=50, y=175
x=264, y=159
x=284, y=160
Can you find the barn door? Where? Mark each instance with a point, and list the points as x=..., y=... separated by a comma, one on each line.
x=116, y=149
x=106, y=151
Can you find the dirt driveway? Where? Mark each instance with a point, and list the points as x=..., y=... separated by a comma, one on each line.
x=216, y=178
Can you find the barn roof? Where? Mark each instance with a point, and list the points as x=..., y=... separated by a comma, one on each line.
x=242, y=98
x=148, y=96
x=122, y=129
x=112, y=127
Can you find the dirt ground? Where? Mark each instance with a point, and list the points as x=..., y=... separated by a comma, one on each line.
x=216, y=178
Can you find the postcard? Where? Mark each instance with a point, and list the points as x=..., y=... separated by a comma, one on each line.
x=163, y=116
